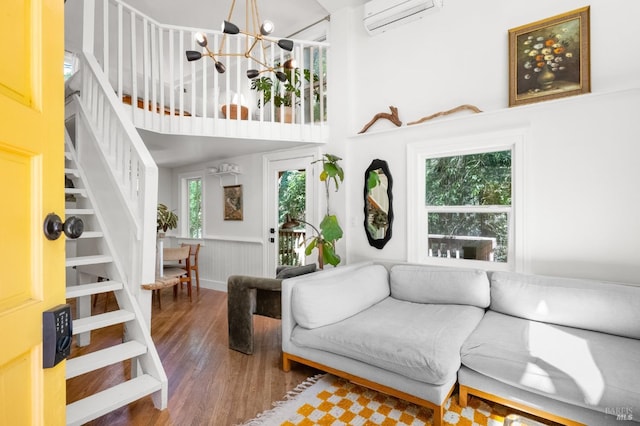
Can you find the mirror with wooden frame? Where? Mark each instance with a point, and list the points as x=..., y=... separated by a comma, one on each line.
x=378, y=203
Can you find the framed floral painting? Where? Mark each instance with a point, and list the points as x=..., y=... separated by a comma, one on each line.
x=549, y=59
x=232, y=202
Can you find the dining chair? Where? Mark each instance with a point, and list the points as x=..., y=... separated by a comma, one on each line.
x=176, y=263
x=194, y=249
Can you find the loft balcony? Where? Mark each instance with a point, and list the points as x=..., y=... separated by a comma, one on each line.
x=162, y=92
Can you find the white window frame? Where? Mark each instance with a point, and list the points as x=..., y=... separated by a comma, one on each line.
x=184, y=202
x=419, y=152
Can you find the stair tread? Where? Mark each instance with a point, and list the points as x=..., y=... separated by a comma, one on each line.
x=76, y=191
x=78, y=211
x=72, y=172
x=92, y=288
x=101, y=403
x=92, y=234
x=104, y=357
x=88, y=260
x=82, y=325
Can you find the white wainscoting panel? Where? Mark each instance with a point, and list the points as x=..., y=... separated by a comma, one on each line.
x=221, y=257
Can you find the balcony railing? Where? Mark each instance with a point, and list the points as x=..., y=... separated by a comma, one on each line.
x=145, y=63
x=291, y=247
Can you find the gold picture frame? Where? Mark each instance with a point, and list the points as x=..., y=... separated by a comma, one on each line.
x=232, y=202
x=550, y=59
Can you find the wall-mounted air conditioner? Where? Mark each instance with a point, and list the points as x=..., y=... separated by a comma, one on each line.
x=383, y=15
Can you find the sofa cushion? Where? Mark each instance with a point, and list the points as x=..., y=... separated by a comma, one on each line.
x=592, y=305
x=323, y=300
x=581, y=367
x=285, y=272
x=415, y=340
x=429, y=284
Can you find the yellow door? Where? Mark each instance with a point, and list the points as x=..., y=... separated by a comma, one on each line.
x=31, y=185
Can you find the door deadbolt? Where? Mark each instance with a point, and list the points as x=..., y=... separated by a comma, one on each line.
x=53, y=227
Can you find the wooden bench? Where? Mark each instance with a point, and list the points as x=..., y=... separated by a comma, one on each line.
x=164, y=282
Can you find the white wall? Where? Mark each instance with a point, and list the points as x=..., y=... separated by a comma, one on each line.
x=227, y=247
x=165, y=187
x=581, y=198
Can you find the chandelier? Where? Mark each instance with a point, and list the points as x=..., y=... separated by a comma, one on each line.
x=256, y=37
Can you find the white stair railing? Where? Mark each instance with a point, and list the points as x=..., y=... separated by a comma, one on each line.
x=146, y=65
x=114, y=156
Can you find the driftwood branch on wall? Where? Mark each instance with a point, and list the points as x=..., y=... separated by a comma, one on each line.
x=393, y=117
x=451, y=111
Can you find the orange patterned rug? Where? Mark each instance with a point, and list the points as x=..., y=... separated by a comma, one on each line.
x=328, y=400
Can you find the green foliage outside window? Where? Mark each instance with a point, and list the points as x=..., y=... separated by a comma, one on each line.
x=194, y=187
x=470, y=180
x=291, y=195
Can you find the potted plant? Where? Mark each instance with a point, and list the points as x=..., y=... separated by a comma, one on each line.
x=329, y=230
x=284, y=93
x=166, y=220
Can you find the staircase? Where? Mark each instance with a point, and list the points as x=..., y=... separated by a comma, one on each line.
x=89, y=258
x=111, y=183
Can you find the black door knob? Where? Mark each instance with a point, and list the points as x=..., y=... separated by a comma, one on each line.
x=53, y=227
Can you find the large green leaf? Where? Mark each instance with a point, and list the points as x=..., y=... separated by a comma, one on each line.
x=329, y=255
x=373, y=180
x=311, y=244
x=330, y=228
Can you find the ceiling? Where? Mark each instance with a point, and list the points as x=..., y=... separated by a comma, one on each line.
x=289, y=17
x=175, y=151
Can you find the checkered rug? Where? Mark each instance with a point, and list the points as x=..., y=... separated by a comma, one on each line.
x=328, y=400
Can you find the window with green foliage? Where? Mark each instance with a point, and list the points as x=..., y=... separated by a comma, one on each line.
x=291, y=205
x=194, y=191
x=468, y=205
x=291, y=195
x=465, y=199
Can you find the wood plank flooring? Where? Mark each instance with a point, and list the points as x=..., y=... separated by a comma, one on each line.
x=209, y=384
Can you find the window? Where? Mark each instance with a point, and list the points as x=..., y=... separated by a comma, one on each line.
x=70, y=64
x=468, y=205
x=192, y=205
x=463, y=211
x=194, y=188
x=292, y=204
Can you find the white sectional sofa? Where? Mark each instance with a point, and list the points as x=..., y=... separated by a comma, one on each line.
x=398, y=331
x=566, y=350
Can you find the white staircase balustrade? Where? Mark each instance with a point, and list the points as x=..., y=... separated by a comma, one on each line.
x=146, y=65
x=113, y=155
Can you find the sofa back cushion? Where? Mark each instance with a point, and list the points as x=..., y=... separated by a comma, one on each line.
x=285, y=272
x=324, y=299
x=432, y=284
x=591, y=305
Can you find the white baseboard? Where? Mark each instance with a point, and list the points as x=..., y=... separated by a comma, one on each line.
x=213, y=285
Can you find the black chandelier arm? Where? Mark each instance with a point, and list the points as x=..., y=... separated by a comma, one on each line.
x=259, y=36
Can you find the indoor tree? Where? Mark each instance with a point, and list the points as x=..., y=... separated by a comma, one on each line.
x=330, y=230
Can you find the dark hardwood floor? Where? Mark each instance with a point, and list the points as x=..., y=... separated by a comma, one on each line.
x=209, y=384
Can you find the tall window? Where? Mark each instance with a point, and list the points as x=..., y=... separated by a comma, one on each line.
x=194, y=189
x=462, y=208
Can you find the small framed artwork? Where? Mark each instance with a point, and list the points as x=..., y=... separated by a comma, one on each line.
x=232, y=202
x=549, y=59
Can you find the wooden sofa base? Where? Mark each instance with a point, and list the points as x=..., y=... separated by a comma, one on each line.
x=464, y=391
x=438, y=410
